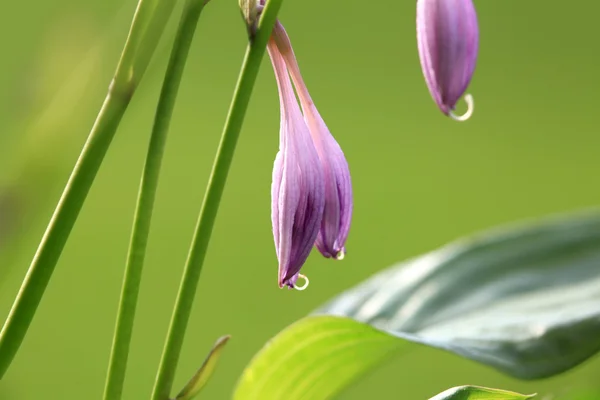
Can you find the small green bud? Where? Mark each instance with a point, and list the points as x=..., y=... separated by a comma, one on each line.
x=250, y=14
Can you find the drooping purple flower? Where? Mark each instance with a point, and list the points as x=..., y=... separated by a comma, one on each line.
x=297, y=192
x=338, y=186
x=448, y=41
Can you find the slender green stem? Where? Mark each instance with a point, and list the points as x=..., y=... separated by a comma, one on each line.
x=145, y=203
x=134, y=60
x=212, y=198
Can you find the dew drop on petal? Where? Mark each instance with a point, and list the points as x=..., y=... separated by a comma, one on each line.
x=306, y=282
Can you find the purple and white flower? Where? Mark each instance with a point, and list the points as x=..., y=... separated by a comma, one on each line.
x=298, y=191
x=312, y=190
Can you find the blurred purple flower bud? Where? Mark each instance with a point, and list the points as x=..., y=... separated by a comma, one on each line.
x=448, y=41
x=298, y=193
x=338, y=186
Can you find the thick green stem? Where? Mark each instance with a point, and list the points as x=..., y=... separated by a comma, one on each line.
x=148, y=23
x=145, y=203
x=212, y=198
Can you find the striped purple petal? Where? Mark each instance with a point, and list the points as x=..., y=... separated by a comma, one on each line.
x=298, y=192
x=337, y=215
x=448, y=43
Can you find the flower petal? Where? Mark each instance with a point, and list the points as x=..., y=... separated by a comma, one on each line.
x=448, y=42
x=298, y=197
x=337, y=216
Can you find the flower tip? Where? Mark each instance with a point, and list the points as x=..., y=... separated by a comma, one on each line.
x=470, y=106
x=306, y=282
x=340, y=255
x=286, y=284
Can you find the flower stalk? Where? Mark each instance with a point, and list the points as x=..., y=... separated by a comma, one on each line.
x=145, y=202
x=193, y=268
x=149, y=21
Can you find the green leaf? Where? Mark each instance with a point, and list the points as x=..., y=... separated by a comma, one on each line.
x=479, y=393
x=201, y=377
x=313, y=359
x=523, y=300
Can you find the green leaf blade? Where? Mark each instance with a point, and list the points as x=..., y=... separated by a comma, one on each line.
x=204, y=373
x=314, y=358
x=525, y=301
x=480, y=393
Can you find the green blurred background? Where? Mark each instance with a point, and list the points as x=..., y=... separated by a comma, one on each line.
x=420, y=179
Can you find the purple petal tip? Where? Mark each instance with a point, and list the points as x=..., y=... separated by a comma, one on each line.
x=448, y=44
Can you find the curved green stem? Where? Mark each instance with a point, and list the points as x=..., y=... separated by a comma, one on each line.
x=212, y=198
x=148, y=24
x=145, y=203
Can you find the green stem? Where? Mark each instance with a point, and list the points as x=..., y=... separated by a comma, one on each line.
x=148, y=23
x=145, y=203
x=212, y=198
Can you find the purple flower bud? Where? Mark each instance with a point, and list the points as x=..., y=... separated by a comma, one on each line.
x=338, y=186
x=448, y=40
x=298, y=192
